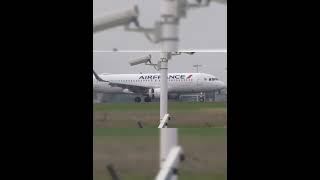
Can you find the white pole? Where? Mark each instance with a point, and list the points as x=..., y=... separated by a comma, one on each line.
x=164, y=57
x=169, y=43
x=168, y=140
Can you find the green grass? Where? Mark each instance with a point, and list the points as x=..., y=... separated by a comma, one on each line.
x=130, y=135
x=173, y=106
x=187, y=175
x=207, y=141
x=111, y=132
x=184, y=114
x=184, y=175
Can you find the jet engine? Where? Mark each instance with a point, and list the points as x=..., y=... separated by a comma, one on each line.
x=127, y=91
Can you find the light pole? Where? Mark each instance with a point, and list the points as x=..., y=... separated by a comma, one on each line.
x=197, y=66
x=169, y=43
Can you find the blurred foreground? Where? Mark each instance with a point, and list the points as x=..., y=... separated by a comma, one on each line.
x=135, y=153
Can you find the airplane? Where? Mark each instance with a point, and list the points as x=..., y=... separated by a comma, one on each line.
x=148, y=85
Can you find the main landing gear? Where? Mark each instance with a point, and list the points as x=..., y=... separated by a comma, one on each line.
x=138, y=99
x=147, y=99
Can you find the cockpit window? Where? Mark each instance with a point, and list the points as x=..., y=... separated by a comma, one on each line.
x=213, y=79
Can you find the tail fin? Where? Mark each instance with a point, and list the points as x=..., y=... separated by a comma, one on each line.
x=98, y=78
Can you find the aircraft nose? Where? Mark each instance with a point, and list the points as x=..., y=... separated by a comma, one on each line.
x=222, y=85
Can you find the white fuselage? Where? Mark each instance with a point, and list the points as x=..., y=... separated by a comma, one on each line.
x=179, y=83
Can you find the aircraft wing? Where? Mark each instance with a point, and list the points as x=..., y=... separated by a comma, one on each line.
x=131, y=88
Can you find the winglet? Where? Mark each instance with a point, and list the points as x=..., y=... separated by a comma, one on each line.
x=98, y=78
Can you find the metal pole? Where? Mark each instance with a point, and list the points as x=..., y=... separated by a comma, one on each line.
x=197, y=66
x=164, y=57
x=112, y=172
x=169, y=43
x=168, y=140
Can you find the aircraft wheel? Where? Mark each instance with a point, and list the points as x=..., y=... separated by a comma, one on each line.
x=147, y=99
x=137, y=99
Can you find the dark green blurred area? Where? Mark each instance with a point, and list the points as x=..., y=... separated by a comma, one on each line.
x=135, y=153
x=173, y=106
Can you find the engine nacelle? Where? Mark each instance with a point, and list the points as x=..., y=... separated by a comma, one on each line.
x=154, y=93
x=127, y=91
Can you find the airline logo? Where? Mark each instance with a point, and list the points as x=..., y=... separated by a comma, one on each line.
x=177, y=77
x=189, y=76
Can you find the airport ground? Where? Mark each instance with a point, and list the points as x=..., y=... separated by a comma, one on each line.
x=135, y=153
x=184, y=115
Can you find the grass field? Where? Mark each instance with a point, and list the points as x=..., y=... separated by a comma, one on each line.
x=135, y=153
x=184, y=114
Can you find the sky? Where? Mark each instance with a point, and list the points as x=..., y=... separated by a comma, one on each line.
x=204, y=28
